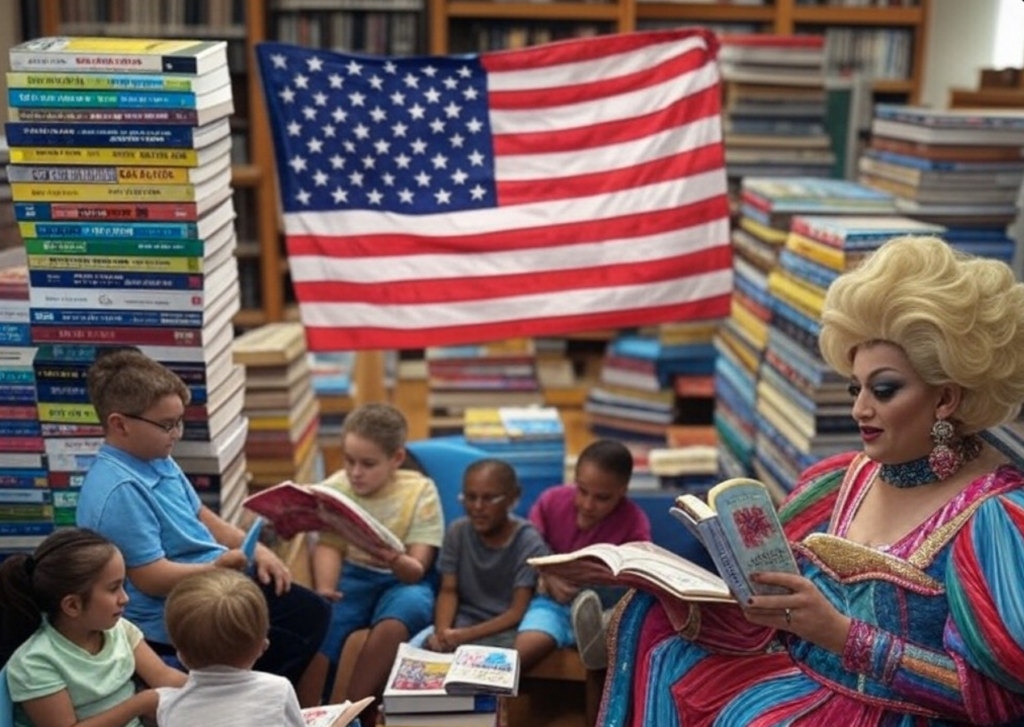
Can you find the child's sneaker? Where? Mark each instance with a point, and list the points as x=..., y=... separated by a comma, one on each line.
x=588, y=626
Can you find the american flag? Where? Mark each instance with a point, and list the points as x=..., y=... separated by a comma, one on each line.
x=443, y=200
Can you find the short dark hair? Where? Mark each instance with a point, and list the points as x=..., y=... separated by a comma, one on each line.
x=129, y=382
x=610, y=456
x=499, y=470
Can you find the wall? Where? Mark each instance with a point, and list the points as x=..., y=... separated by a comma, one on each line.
x=961, y=36
x=10, y=35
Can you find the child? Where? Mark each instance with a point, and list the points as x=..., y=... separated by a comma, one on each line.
x=73, y=655
x=486, y=583
x=384, y=590
x=595, y=510
x=137, y=496
x=218, y=622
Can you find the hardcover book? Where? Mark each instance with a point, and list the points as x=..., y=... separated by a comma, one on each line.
x=741, y=531
x=294, y=509
x=120, y=55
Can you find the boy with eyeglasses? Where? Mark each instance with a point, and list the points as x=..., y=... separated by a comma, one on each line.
x=486, y=583
x=593, y=509
x=136, y=495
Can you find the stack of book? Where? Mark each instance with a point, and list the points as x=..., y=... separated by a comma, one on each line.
x=767, y=207
x=803, y=407
x=775, y=106
x=121, y=180
x=500, y=373
x=279, y=403
x=334, y=389
x=959, y=169
x=9, y=237
x=531, y=439
x=26, y=501
x=430, y=689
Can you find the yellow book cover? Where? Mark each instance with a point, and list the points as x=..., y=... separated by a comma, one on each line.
x=755, y=328
x=142, y=264
x=46, y=192
x=763, y=232
x=830, y=257
x=808, y=298
x=112, y=155
x=67, y=413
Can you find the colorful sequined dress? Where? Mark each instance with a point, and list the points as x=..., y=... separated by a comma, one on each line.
x=937, y=637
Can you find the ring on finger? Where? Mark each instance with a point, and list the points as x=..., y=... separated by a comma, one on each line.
x=788, y=613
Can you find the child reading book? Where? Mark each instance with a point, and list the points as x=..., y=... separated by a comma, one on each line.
x=594, y=509
x=136, y=495
x=218, y=622
x=385, y=589
x=486, y=583
x=74, y=657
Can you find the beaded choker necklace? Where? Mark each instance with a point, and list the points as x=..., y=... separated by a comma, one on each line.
x=919, y=471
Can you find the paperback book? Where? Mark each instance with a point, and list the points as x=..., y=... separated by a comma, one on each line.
x=334, y=715
x=294, y=509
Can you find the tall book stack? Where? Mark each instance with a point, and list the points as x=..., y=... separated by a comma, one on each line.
x=9, y=237
x=279, y=403
x=331, y=373
x=961, y=169
x=531, y=439
x=121, y=181
x=499, y=373
x=26, y=501
x=803, y=407
x=775, y=106
x=767, y=205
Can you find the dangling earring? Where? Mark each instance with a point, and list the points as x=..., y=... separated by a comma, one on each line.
x=944, y=459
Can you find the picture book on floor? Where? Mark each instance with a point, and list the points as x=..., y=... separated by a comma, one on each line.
x=334, y=715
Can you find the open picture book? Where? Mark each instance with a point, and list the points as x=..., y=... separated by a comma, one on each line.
x=334, y=715
x=740, y=528
x=294, y=509
x=429, y=681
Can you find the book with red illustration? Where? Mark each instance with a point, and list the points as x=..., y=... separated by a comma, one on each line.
x=294, y=509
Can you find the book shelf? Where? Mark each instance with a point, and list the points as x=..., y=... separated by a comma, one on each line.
x=262, y=265
x=452, y=20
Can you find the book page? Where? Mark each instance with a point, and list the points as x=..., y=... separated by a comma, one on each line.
x=418, y=672
x=334, y=715
x=288, y=506
x=482, y=669
x=353, y=522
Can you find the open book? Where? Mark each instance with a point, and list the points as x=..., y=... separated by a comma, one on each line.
x=334, y=715
x=741, y=531
x=642, y=565
x=426, y=681
x=295, y=509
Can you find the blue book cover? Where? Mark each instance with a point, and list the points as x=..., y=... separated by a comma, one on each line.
x=177, y=231
x=25, y=98
x=14, y=428
x=113, y=279
x=651, y=349
x=17, y=394
x=40, y=527
x=99, y=135
x=807, y=269
x=15, y=334
x=791, y=314
x=939, y=165
x=125, y=319
x=59, y=393
x=950, y=118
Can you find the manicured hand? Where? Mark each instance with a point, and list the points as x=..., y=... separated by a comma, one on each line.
x=804, y=612
x=234, y=559
x=271, y=568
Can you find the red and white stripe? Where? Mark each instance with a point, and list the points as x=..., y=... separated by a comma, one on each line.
x=612, y=211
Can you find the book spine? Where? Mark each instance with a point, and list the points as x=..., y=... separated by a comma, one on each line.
x=143, y=264
x=14, y=334
x=22, y=192
x=98, y=135
x=17, y=412
x=112, y=155
x=25, y=491
x=14, y=443
x=87, y=279
x=66, y=480
x=39, y=527
x=130, y=319
x=725, y=559
x=62, y=429
x=70, y=462
x=28, y=60
x=52, y=238
x=100, y=99
x=8, y=377
x=186, y=117
x=139, y=336
x=20, y=429
x=67, y=413
x=170, y=249
x=99, y=299
x=23, y=460
x=158, y=212
x=100, y=81
x=99, y=175
x=62, y=393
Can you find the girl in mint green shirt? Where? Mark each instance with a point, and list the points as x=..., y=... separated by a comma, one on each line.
x=69, y=655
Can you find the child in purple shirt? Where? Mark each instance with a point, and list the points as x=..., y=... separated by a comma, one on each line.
x=594, y=509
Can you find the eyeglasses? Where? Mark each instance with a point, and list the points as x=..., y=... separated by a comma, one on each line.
x=176, y=426
x=484, y=499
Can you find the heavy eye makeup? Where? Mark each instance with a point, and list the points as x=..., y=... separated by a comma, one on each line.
x=880, y=390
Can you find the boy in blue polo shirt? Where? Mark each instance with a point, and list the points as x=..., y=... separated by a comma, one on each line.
x=136, y=496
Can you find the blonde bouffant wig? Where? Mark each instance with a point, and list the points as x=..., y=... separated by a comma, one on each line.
x=958, y=318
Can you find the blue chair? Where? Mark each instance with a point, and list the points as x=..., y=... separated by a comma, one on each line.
x=6, y=705
x=444, y=460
